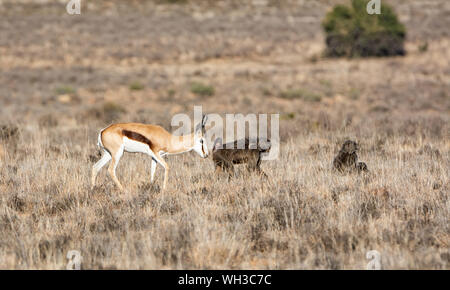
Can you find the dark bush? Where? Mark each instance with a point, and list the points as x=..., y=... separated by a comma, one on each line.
x=351, y=31
x=136, y=86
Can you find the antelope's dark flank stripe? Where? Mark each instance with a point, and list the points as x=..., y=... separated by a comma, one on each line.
x=137, y=137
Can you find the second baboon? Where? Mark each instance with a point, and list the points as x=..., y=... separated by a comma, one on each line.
x=347, y=158
x=225, y=159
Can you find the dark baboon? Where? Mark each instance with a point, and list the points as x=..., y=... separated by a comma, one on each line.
x=225, y=159
x=347, y=158
x=362, y=167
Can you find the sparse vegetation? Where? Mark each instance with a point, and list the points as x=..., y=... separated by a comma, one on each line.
x=354, y=93
x=171, y=93
x=173, y=1
x=108, y=112
x=136, y=86
x=266, y=92
x=351, y=31
x=202, y=89
x=48, y=120
x=288, y=116
x=300, y=94
x=423, y=47
x=65, y=90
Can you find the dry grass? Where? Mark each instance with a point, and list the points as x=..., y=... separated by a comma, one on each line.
x=304, y=216
x=54, y=101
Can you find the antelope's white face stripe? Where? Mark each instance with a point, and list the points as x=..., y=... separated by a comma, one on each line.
x=200, y=147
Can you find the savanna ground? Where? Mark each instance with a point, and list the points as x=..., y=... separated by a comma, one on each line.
x=63, y=78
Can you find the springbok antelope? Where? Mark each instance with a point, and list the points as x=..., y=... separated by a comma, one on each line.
x=152, y=140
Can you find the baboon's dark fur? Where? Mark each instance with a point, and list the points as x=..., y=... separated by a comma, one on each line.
x=225, y=159
x=347, y=158
x=362, y=167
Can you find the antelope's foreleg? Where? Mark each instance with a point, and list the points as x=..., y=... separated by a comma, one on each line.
x=166, y=169
x=153, y=169
x=158, y=159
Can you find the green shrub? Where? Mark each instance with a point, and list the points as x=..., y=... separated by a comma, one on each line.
x=113, y=108
x=136, y=86
x=351, y=31
x=288, y=116
x=65, y=90
x=300, y=94
x=423, y=47
x=202, y=89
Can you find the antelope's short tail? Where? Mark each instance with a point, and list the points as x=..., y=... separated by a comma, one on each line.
x=99, y=139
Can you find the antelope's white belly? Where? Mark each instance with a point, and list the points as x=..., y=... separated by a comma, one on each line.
x=132, y=146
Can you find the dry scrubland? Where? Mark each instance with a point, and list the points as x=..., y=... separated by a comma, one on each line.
x=63, y=78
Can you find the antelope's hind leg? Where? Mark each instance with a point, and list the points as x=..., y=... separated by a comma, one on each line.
x=156, y=158
x=113, y=166
x=106, y=157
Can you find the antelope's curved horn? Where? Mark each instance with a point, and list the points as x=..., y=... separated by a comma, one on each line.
x=204, y=119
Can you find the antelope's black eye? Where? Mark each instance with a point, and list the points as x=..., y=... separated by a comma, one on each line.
x=201, y=141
